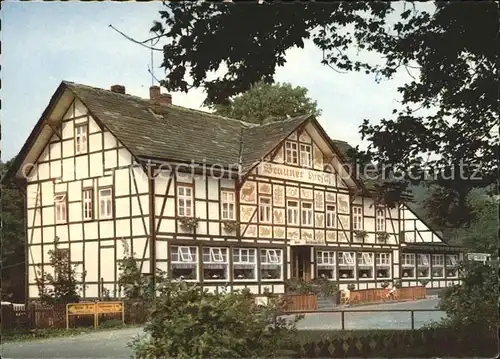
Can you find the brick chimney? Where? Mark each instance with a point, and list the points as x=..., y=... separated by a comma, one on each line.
x=118, y=89
x=156, y=96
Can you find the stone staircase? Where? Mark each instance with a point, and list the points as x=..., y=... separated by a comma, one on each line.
x=326, y=303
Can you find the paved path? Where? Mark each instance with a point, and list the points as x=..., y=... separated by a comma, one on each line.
x=112, y=344
x=383, y=320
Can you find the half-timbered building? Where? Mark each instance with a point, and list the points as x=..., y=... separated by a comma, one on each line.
x=208, y=199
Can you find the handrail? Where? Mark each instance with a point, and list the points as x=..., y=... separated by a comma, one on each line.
x=343, y=311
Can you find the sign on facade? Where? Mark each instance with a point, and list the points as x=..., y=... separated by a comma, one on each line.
x=95, y=309
x=296, y=174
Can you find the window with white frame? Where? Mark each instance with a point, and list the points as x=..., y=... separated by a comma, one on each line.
x=380, y=220
x=265, y=209
x=228, y=200
x=184, y=262
x=357, y=218
x=325, y=264
x=451, y=265
x=408, y=264
x=383, y=265
x=438, y=265
x=305, y=155
x=88, y=204
x=291, y=153
x=331, y=216
x=61, y=208
x=244, y=264
x=271, y=264
x=365, y=265
x=346, y=265
x=306, y=213
x=423, y=265
x=105, y=203
x=81, y=138
x=292, y=212
x=215, y=264
x=184, y=201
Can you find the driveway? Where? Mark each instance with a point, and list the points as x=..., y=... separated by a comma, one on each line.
x=112, y=344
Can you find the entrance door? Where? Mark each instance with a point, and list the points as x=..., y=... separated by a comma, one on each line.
x=301, y=262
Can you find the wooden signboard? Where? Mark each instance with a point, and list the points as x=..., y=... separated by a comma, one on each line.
x=94, y=309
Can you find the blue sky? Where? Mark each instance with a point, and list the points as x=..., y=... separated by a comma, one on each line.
x=45, y=43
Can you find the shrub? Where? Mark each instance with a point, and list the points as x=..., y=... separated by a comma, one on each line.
x=475, y=301
x=186, y=322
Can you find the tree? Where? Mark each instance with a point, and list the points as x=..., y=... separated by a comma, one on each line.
x=186, y=322
x=12, y=240
x=269, y=102
x=448, y=110
x=61, y=287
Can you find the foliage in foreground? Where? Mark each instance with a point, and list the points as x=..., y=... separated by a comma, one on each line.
x=475, y=302
x=186, y=322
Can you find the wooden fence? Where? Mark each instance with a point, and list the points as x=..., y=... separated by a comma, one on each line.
x=376, y=295
x=44, y=317
x=296, y=302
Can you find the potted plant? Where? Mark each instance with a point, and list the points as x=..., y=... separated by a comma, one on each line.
x=382, y=237
x=351, y=286
x=230, y=225
x=360, y=234
x=189, y=223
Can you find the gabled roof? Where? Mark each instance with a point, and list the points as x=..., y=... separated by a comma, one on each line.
x=170, y=133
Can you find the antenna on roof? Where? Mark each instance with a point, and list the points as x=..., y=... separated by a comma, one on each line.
x=152, y=75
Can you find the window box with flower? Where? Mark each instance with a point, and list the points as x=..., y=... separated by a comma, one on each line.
x=189, y=223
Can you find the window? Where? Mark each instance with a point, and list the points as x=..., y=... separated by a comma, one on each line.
x=365, y=265
x=408, y=264
x=61, y=208
x=380, y=219
x=451, y=266
x=357, y=218
x=438, y=265
x=244, y=264
x=305, y=155
x=383, y=264
x=307, y=213
x=227, y=200
x=88, y=205
x=423, y=265
x=81, y=139
x=215, y=264
x=346, y=265
x=325, y=263
x=331, y=216
x=271, y=264
x=184, y=201
x=184, y=262
x=105, y=203
x=265, y=209
x=292, y=212
x=408, y=259
x=291, y=155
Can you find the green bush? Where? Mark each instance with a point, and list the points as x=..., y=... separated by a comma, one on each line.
x=475, y=301
x=186, y=322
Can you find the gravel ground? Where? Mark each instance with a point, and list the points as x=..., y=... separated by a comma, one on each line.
x=112, y=344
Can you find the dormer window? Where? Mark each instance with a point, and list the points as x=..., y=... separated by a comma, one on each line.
x=81, y=138
x=291, y=153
